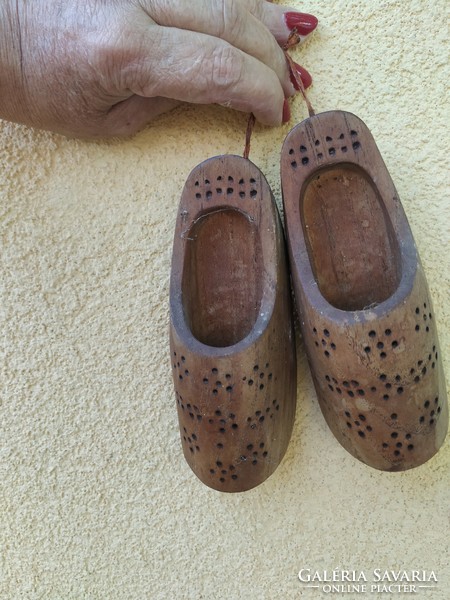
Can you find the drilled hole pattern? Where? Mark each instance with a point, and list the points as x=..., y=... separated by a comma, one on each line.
x=395, y=443
x=324, y=342
x=376, y=407
x=222, y=419
x=226, y=186
x=358, y=422
x=330, y=147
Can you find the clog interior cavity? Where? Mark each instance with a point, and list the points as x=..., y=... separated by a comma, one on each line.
x=350, y=239
x=222, y=277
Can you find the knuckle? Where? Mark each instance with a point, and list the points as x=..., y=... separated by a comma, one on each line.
x=118, y=56
x=256, y=8
x=229, y=21
x=227, y=66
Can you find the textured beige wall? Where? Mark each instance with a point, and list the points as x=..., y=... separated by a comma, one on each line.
x=96, y=500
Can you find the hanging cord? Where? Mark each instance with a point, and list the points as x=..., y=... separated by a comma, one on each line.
x=293, y=40
x=248, y=134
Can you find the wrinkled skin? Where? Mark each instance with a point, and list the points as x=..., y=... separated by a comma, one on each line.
x=102, y=68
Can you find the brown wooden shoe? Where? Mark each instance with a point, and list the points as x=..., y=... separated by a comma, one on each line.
x=231, y=334
x=366, y=313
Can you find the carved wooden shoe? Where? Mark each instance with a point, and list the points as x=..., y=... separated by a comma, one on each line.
x=365, y=309
x=231, y=334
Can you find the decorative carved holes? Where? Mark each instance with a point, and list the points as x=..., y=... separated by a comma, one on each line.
x=360, y=423
x=332, y=150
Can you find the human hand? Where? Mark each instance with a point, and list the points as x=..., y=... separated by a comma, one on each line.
x=98, y=69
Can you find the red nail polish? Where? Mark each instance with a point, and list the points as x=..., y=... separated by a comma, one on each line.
x=304, y=76
x=303, y=22
x=286, y=112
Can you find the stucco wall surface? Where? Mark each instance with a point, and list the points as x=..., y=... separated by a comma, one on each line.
x=96, y=500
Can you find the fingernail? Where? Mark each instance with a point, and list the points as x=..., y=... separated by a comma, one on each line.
x=304, y=76
x=286, y=112
x=303, y=22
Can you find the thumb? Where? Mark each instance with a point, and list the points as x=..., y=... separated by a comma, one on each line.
x=131, y=115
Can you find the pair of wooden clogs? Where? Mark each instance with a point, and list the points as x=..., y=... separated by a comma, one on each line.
x=366, y=315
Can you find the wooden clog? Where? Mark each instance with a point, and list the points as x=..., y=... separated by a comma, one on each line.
x=231, y=334
x=366, y=313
